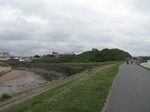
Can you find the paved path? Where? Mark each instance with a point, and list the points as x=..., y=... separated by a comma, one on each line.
x=131, y=90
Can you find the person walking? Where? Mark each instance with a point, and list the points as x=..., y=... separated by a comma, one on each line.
x=127, y=60
x=132, y=60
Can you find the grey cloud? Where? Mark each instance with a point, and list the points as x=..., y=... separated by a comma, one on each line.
x=42, y=26
x=142, y=6
x=26, y=48
x=28, y=7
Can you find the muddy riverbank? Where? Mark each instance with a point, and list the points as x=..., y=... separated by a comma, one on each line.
x=18, y=81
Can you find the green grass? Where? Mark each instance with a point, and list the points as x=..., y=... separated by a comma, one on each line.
x=47, y=60
x=85, y=94
x=3, y=64
x=92, y=62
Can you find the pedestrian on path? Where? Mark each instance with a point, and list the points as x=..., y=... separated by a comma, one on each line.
x=127, y=60
x=132, y=60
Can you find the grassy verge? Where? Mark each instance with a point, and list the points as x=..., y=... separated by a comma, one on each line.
x=85, y=94
x=92, y=62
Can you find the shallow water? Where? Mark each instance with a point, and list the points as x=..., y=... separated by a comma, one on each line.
x=24, y=83
x=147, y=64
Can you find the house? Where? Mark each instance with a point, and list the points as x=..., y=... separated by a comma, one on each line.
x=22, y=58
x=4, y=56
x=58, y=55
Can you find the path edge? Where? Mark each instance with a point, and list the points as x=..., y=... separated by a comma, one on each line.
x=110, y=91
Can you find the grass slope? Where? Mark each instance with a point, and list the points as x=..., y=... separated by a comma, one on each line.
x=85, y=94
x=3, y=64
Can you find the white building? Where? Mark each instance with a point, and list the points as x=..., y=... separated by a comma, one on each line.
x=23, y=58
x=4, y=56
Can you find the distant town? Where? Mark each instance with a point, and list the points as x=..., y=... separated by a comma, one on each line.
x=5, y=56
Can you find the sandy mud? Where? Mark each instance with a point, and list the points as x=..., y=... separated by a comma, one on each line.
x=18, y=81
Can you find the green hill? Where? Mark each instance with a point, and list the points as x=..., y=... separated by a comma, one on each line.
x=89, y=56
x=103, y=55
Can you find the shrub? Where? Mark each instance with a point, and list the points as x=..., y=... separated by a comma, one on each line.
x=6, y=96
x=70, y=70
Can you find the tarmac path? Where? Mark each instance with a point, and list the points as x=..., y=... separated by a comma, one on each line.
x=131, y=90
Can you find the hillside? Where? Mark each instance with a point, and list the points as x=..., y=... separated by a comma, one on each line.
x=89, y=56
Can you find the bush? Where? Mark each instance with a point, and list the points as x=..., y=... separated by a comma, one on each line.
x=6, y=96
x=69, y=70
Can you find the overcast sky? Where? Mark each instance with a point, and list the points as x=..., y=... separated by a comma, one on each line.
x=29, y=27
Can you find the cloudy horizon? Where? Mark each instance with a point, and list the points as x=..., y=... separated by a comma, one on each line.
x=42, y=26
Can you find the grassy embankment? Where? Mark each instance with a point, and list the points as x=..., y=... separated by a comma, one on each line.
x=55, y=72
x=51, y=73
x=3, y=64
x=85, y=94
